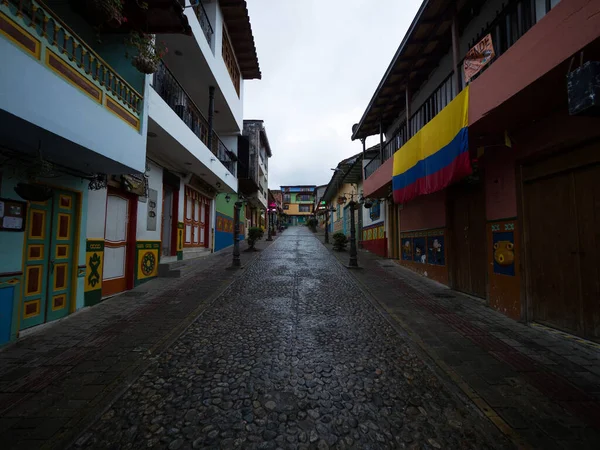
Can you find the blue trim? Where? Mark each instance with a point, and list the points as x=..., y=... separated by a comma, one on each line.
x=434, y=163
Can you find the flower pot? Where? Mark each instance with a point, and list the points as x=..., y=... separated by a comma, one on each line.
x=33, y=192
x=144, y=64
x=103, y=12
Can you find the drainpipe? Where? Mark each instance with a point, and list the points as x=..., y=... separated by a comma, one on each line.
x=364, y=143
x=457, y=73
x=381, y=141
x=211, y=115
x=407, y=108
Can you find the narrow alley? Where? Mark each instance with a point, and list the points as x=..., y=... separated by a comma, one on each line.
x=296, y=353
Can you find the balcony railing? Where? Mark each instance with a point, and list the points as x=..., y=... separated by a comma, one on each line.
x=204, y=22
x=70, y=56
x=372, y=166
x=506, y=29
x=167, y=86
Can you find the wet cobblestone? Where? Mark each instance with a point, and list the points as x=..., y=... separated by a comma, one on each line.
x=292, y=355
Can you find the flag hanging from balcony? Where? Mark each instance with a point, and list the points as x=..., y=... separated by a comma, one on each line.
x=437, y=155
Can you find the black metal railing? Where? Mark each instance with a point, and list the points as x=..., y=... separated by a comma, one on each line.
x=167, y=86
x=204, y=22
x=372, y=166
x=509, y=25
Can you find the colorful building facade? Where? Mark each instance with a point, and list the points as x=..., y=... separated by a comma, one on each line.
x=298, y=203
x=107, y=172
x=492, y=158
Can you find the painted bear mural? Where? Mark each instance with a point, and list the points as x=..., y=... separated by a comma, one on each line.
x=504, y=254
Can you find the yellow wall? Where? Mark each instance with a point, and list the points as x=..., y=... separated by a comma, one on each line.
x=294, y=210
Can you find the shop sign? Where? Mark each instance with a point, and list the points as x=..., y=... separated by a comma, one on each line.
x=478, y=57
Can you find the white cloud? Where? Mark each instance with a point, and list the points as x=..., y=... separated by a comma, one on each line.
x=321, y=63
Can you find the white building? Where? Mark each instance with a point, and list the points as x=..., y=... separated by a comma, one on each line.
x=104, y=170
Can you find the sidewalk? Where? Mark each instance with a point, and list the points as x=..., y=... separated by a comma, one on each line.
x=539, y=386
x=57, y=381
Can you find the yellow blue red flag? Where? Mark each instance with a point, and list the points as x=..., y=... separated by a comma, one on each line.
x=437, y=155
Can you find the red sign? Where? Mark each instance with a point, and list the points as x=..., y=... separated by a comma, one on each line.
x=478, y=57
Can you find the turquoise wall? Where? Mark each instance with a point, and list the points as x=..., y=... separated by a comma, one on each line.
x=111, y=47
x=12, y=242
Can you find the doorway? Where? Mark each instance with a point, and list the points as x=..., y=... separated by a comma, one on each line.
x=168, y=216
x=49, y=259
x=561, y=208
x=467, y=222
x=119, y=242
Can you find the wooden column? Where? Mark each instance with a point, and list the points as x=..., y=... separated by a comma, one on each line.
x=455, y=50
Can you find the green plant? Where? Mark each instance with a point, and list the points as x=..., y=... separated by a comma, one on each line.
x=254, y=234
x=339, y=241
x=312, y=224
x=149, y=52
x=109, y=12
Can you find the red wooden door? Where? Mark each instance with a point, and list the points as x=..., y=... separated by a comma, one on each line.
x=466, y=208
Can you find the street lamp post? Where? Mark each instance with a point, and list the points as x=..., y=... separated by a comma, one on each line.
x=327, y=212
x=236, y=234
x=353, y=254
x=269, y=235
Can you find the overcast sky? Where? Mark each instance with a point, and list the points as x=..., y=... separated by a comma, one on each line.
x=321, y=61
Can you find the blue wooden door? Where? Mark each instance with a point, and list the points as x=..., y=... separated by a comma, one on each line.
x=36, y=257
x=61, y=261
x=49, y=259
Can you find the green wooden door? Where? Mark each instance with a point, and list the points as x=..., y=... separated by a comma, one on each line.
x=49, y=259
x=62, y=241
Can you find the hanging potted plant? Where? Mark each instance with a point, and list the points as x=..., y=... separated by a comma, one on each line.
x=109, y=12
x=31, y=190
x=149, y=52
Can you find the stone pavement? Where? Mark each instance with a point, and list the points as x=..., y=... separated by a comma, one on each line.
x=53, y=383
x=540, y=387
x=293, y=355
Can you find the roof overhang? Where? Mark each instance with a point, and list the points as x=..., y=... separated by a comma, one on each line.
x=427, y=40
x=237, y=20
x=160, y=17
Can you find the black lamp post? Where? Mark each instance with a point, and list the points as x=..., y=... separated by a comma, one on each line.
x=353, y=254
x=269, y=231
x=236, y=233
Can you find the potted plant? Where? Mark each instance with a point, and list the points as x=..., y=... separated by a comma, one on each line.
x=149, y=52
x=312, y=224
x=339, y=241
x=254, y=234
x=109, y=12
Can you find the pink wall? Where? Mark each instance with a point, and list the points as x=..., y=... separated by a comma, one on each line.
x=567, y=28
x=427, y=211
x=378, y=183
x=500, y=187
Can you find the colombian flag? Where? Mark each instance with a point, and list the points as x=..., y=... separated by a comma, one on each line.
x=437, y=155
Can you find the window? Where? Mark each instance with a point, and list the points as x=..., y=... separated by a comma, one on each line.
x=375, y=211
x=287, y=198
x=304, y=198
x=286, y=207
x=304, y=208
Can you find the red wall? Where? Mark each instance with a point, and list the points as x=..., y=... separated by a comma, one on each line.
x=500, y=187
x=379, y=182
x=377, y=246
x=567, y=28
x=425, y=212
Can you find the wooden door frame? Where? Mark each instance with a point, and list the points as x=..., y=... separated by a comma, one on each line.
x=174, y=215
x=131, y=233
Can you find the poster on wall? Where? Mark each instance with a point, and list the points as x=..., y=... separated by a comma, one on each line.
x=504, y=251
x=12, y=215
x=478, y=57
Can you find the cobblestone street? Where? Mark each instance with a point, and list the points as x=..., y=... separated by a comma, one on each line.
x=293, y=355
